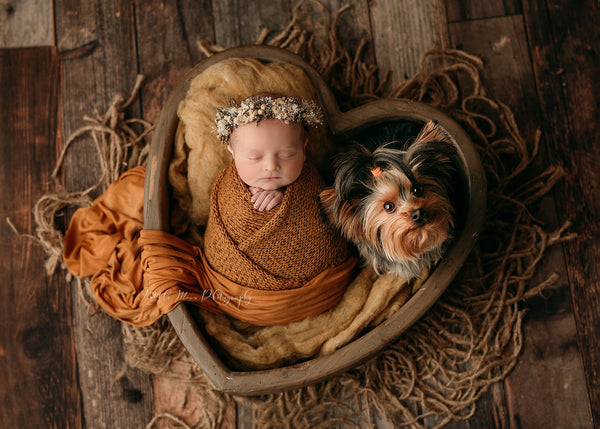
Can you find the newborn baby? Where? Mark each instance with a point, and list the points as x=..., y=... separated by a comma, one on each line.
x=265, y=230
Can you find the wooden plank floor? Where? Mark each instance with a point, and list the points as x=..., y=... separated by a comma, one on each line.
x=60, y=60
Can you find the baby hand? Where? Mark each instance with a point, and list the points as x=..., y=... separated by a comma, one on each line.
x=264, y=199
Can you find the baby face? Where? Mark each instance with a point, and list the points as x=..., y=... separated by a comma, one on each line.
x=268, y=154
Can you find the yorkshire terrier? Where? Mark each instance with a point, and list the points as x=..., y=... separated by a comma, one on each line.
x=395, y=198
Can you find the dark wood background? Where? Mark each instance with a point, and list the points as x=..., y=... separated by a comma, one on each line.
x=60, y=60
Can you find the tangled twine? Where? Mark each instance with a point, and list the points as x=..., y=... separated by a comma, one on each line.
x=470, y=339
x=119, y=147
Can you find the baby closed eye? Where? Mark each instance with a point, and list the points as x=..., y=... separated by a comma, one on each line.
x=286, y=155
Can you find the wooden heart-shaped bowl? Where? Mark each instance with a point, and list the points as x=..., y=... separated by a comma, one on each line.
x=157, y=210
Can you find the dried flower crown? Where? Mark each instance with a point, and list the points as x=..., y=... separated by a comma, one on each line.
x=254, y=109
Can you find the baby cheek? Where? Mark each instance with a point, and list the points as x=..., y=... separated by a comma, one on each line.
x=296, y=168
x=246, y=171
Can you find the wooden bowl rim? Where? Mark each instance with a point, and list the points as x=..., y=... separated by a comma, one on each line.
x=156, y=216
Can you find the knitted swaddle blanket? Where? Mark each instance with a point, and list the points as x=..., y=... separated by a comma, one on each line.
x=278, y=249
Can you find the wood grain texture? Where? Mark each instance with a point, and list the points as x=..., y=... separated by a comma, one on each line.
x=38, y=370
x=97, y=41
x=564, y=45
x=508, y=77
x=465, y=10
x=549, y=372
x=507, y=74
x=403, y=30
x=239, y=22
x=354, y=25
x=168, y=33
x=26, y=23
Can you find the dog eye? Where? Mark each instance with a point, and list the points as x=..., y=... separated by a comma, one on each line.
x=417, y=190
x=389, y=207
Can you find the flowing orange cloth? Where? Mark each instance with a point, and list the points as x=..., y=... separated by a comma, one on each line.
x=139, y=275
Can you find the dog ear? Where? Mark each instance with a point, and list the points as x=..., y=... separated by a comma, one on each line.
x=334, y=208
x=328, y=199
x=432, y=132
x=434, y=155
x=341, y=214
x=432, y=148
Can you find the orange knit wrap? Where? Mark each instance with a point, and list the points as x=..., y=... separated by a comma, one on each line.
x=278, y=249
x=138, y=275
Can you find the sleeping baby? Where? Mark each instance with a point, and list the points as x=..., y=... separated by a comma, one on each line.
x=265, y=230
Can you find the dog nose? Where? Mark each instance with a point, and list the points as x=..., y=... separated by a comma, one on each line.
x=418, y=216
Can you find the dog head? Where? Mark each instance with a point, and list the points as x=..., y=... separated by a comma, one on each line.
x=396, y=204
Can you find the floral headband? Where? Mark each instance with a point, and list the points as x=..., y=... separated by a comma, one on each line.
x=254, y=109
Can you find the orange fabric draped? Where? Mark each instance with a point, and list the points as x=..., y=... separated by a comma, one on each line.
x=138, y=275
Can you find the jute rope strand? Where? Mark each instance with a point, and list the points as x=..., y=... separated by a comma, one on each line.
x=119, y=147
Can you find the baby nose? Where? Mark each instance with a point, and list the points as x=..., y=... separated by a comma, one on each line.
x=271, y=164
